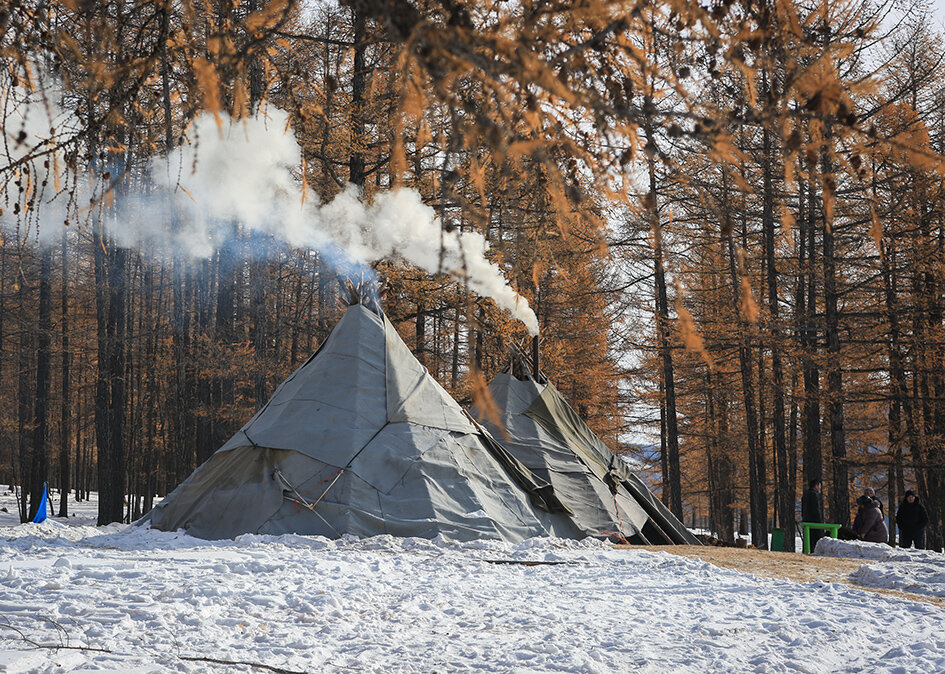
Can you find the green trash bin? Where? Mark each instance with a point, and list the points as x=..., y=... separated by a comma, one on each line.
x=777, y=539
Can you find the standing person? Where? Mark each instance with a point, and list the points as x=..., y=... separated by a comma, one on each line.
x=872, y=494
x=812, y=508
x=912, y=520
x=870, y=525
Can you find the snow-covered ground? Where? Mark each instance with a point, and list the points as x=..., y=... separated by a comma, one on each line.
x=150, y=601
x=904, y=569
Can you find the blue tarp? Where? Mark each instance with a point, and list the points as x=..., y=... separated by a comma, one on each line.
x=41, y=511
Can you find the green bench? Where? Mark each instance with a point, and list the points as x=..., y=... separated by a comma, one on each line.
x=806, y=527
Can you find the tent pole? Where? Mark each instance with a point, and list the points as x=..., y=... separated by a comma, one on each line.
x=535, y=369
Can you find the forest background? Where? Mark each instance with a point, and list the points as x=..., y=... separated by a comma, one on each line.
x=728, y=216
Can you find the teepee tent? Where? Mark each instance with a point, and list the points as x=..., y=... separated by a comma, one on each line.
x=362, y=440
x=606, y=499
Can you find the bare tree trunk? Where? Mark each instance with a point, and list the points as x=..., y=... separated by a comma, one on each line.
x=23, y=398
x=785, y=495
x=103, y=409
x=800, y=311
x=723, y=468
x=134, y=397
x=711, y=456
x=39, y=471
x=813, y=456
x=840, y=488
x=112, y=473
x=673, y=483
x=259, y=277
x=897, y=381
x=110, y=301
x=65, y=433
x=420, y=334
x=300, y=307
x=477, y=351
x=214, y=390
x=762, y=433
x=211, y=390
x=454, y=364
x=757, y=499
x=79, y=454
x=258, y=287
x=893, y=501
x=756, y=476
x=664, y=453
x=181, y=403
x=935, y=457
x=358, y=81
x=6, y=462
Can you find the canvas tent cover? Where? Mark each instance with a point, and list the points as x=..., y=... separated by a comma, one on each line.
x=362, y=440
x=543, y=432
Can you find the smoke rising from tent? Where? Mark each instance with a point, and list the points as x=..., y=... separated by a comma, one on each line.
x=247, y=172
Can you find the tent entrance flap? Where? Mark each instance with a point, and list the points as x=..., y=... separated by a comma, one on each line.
x=552, y=412
x=658, y=512
x=541, y=493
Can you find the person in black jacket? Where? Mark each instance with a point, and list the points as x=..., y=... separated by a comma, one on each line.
x=812, y=509
x=911, y=519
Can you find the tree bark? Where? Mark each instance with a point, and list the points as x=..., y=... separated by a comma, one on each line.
x=258, y=287
x=6, y=463
x=840, y=487
x=756, y=481
x=897, y=382
x=358, y=80
x=673, y=485
x=39, y=471
x=786, y=496
x=935, y=457
x=103, y=410
x=813, y=455
x=723, y=468
x=24, y=414
x=420, y=334
x=111, y=474
x=65, y=433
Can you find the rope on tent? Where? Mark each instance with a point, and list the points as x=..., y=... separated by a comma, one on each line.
x=302, y=502
x=619, y=533
x=321, y=481
x=616, y=534
x=331, y=484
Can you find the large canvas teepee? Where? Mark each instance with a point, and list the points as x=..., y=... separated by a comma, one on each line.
x=362, y=440
x=543, y=432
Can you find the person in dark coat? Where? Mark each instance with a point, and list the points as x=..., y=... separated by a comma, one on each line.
x=869, y=523
x=812, y=509
x=912, y=520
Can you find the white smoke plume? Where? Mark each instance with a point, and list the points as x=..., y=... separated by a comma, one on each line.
x=246, y=171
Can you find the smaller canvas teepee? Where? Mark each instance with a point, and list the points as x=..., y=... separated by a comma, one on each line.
x=543, y=432
x=362, y=440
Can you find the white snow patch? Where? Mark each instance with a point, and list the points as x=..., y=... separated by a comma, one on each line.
x=833, y=547
x=903, y=569
x=917, y=578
